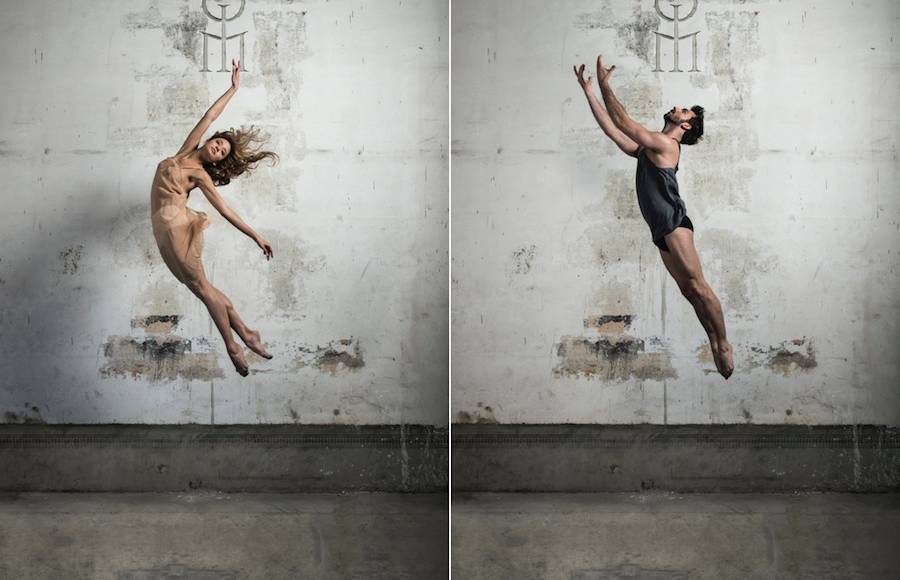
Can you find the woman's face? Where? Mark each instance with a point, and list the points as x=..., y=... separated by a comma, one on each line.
x=217, y=149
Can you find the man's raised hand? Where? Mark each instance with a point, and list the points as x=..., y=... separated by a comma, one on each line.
x=579, y=74
x=603, y=74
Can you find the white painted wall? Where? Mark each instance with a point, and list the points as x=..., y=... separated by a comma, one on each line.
x=793, y=193
x=354, y=97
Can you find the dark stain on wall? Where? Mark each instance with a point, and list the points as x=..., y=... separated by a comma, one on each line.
x=164, y=357
x=522, y=258
x=484, y=414
x=792, y=356
x=31, y=415
x=613, y=358
x=70, y=258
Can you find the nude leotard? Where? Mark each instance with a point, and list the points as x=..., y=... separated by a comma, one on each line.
x=177, y=228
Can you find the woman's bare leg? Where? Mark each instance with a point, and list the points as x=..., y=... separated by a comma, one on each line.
x=250, y=337
x=218, y=309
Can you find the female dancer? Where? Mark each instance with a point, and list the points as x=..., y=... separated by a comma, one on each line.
x=178, y=229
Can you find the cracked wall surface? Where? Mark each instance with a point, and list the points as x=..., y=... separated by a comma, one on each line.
x=562, y=309
x=353, y=306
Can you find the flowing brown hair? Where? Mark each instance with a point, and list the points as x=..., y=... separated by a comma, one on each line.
x=242, y=158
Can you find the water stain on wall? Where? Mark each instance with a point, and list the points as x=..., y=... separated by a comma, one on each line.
x=734, y=262
x=279, y=45
x=613, y=358
x=337, y=356
x=284, y=274
x=634, y=31
x=160, y=357
x=610, y=243
x=132, y=238
x=733, y=45
x=175, y=98
x=182, y=33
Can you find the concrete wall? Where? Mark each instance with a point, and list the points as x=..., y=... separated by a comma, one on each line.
x=792, y=193
x=93, y=326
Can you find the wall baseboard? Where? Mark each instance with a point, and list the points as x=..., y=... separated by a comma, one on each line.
x=231, y=458
x=682, y=458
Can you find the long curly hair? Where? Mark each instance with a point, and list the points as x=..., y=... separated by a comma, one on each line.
x=242, y=158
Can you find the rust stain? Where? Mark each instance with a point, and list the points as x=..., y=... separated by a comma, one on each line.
x=613, y=358
x=156, y=323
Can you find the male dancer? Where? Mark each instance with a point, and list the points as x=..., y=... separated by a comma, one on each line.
x=658, y=154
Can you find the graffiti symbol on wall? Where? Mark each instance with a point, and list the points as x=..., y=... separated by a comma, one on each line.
x=224, y=37
x=674, y=37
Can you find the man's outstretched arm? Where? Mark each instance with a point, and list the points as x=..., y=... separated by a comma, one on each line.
x=634, y=130
x=624, y=142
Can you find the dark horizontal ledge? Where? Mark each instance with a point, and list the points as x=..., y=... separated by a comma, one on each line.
x=17, y=436
x=471, y=436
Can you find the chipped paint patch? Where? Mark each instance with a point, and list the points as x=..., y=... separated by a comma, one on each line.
x=337, y=356
x=160, y=358
x=156, y=323
x=522, y=258
x=790, y=357
x=613, y=358
x=70, y=257
x=609, y=323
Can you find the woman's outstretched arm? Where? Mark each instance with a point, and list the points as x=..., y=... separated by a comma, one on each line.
x=193, y=140
x=206, y=185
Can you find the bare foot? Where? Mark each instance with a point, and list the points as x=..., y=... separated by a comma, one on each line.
x=255, y=344
x=240, y=363
x=724, y=359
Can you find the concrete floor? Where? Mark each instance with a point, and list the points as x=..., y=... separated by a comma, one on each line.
x=675, y=537
x=211, y=536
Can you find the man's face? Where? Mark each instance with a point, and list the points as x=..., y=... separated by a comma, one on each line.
x=678, y=115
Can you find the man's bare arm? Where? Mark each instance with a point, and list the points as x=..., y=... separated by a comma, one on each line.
x=193, y=139
x=624, y=142
x=634, y=130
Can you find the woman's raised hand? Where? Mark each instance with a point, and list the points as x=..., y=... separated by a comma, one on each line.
x=235, y=74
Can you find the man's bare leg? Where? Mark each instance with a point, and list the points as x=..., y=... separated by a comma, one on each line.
x=683, y=263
